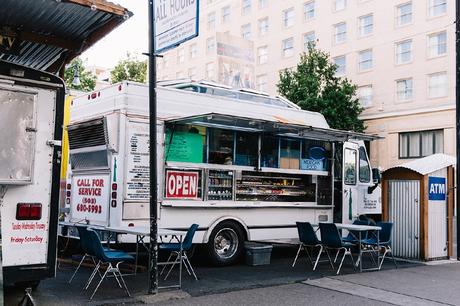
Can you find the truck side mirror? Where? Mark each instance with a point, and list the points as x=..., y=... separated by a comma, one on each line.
x=376, y=176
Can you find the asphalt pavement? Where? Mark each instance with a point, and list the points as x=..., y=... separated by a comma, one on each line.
x=239, y=284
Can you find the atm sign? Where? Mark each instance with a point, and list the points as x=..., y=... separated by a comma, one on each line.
x=181, y=184
x=436, y=188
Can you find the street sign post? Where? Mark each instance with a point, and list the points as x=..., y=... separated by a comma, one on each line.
x=171, y=22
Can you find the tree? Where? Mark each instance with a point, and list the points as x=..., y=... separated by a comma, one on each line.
x=314, y=86
x=87, y=79
x=129, y=69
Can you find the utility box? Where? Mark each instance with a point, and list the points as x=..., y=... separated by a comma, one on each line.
x=418, y=197
x=257, y=254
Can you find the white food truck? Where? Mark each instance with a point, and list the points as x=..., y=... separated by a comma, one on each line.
x=31, y=112
x=241, y=164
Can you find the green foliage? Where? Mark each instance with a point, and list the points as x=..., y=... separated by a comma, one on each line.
x=129, y=69
x=87, y=79
x=314, y=87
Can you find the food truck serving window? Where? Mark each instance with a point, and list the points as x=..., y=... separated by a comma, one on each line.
x=221, y=144
x=185, y=144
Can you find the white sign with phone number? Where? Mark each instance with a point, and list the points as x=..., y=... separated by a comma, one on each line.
x=90, y=197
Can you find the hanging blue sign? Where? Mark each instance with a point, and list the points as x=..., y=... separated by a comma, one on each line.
x=437, y=188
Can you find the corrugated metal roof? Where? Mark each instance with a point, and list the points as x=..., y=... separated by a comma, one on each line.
x=428, y=164
x=49, y=33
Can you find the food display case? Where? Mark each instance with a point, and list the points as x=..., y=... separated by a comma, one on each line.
x=220, y=185
x=275, y=187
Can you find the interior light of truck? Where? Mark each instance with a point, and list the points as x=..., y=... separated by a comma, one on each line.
x=114, y=186
x=28, y=211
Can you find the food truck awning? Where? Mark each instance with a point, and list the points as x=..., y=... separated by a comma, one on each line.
x=272, y=127
x=48, y=34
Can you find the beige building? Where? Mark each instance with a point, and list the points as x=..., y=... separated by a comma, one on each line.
x=400, y=53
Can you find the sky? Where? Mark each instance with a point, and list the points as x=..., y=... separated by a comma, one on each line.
x=131, y=36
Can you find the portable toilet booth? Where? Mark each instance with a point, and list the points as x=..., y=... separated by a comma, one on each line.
x=418, y=197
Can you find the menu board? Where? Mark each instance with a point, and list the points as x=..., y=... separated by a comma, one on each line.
x=137, y=164
x=184, y=147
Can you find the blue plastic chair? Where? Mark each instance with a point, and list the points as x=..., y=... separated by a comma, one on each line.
x=331, y=240
x=175, y=249
x=384, y=241
x=308, y=239
x=113, y=259
x=85, y=245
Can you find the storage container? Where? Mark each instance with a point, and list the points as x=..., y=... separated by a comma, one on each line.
x=257, y=253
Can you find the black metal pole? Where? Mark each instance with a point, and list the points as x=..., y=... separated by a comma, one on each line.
x=153, y=250
x=457, y=112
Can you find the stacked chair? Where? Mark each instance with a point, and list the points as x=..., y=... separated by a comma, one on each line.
x=332, y=240
x=309, y=240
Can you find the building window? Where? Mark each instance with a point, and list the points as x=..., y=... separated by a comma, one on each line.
x=437, y=44
x=308, y=38
x=193, y=51
x=421, y=144
x=263, y=4
x=210, y=45
x=404, y=90
x=309, y=10
x=288, y=17
x=437, y=7
x=211, y=21
x=341, y=63
x=404, y=13
x=210, y=71
x=366, y=25
x=226, y=14
x=340, y=33
x=288, y=47
x=262, y=55
x=365, y=95
x=437, y=85
x=404, y=52
x=262, y=83
x=365, y=61
x=340, y=5
x=245, y=7
x=192, y=73
x=181, y=56
x=246, y=31
x=263, y=26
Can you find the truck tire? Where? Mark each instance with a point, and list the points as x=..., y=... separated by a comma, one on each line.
x=225, y=245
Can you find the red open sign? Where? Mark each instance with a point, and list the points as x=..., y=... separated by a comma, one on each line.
x=182, y=184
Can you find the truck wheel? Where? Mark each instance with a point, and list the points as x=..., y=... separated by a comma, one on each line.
x=225, y=245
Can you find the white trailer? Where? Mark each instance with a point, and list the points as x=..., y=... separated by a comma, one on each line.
x=242, y=165
x=31, y=112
